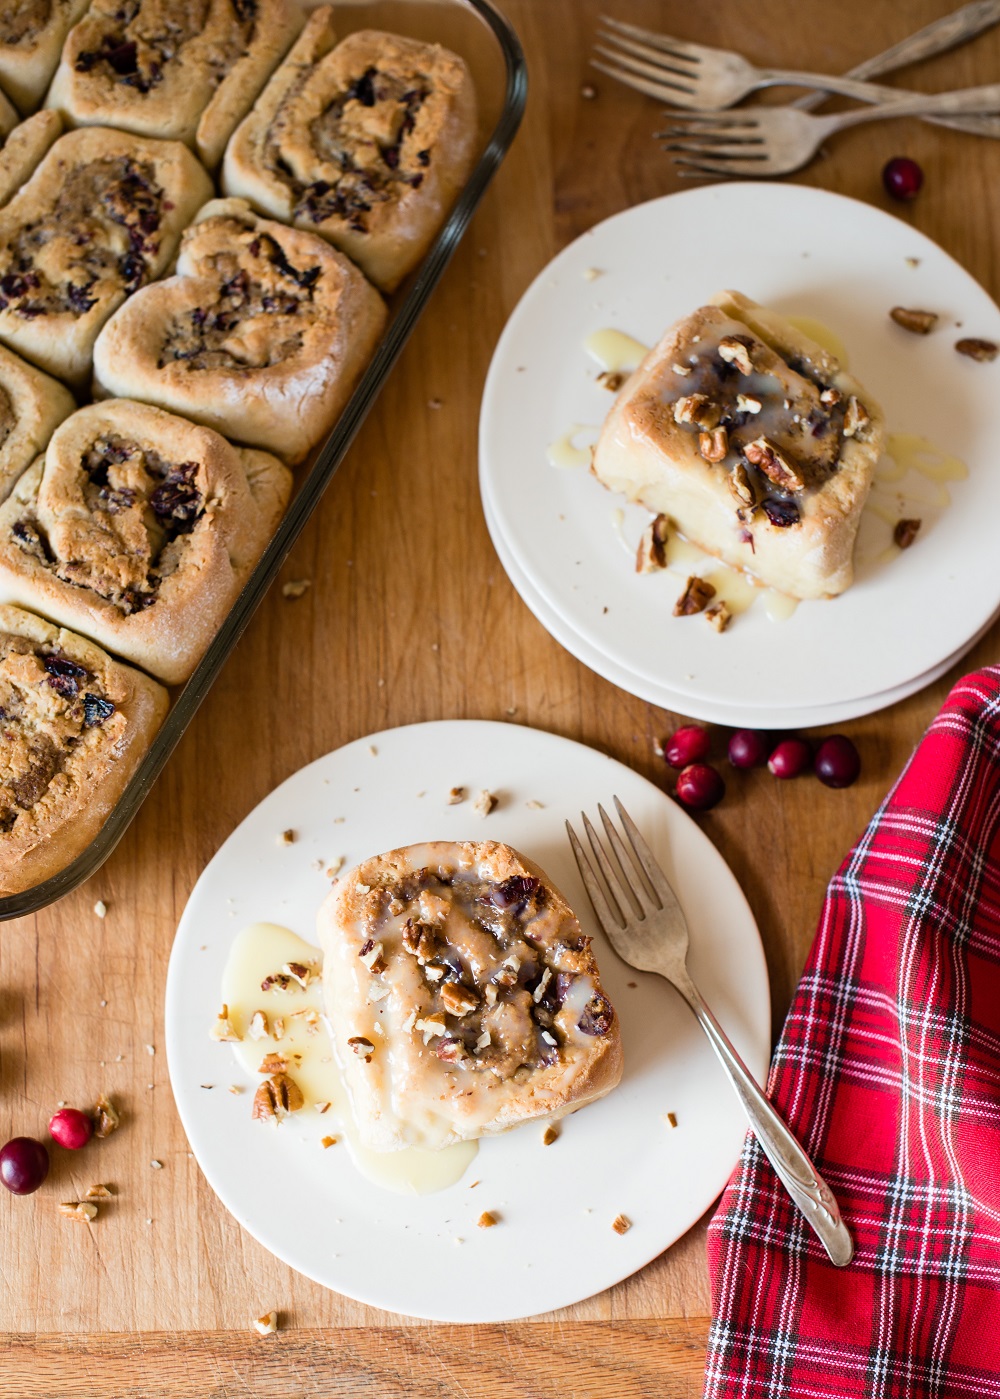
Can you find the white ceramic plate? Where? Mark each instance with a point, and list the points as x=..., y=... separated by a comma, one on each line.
x=803, y=251
x=555, y=1244
x=698, y=708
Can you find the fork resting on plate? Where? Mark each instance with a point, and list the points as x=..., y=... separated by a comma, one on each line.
x=647, y=928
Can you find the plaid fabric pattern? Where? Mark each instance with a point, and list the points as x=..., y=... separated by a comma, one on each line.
x=888, y=1069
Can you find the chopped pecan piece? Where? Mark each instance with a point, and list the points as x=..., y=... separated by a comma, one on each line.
x=98, y=1192
x=621, y=1224
x=432, y=1026
x=611, y=379
x=223, y=1029
x=276, y=1098
x=747, y=404
x=977, y=349
x=550, y=1135
x=361, y=1046
x=856, y=419
x=905, y=533
x=326, y=1142
x=718, y=616
x=741, y=486
x=273, y=1064
x=371, y=954
x=776, y=466
x=267, y=1324
x=830, y=397
x=485, y=803
x=456, y=795
x=713, y=445
x=257, y=1029
x=733, y=351
x=917, y=322
x=421, y=940
x=697, y=409
x=451, y=1051
x=106, y=1118
x=651, y=555
x=487, y=1220
x=81, y=1210
x=696, y=596
x=457, y=999
x=300, y=972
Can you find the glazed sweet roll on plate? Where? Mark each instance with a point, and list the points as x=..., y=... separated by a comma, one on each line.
x=139, y=528
x=22, y=149
x=261, y=335
x=753, y=441
x=463, y=996
x=101, y=215
x=32, y=33
x=366, y=142
x=31, y=408
x=187, y=71
x=74, y=725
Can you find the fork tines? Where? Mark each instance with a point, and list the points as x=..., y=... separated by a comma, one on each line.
x=655, y=64
x=634, y=885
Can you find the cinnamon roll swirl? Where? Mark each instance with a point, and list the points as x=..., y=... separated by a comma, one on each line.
x=101, y=215
x=32, y=33
x=185, y=70
x=74, y=724
x=366, y=142
x=261, y=335
x=139, y=528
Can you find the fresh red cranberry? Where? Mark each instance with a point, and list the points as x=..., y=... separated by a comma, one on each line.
x=688, y=745
x=902, y=178
x=837, y=761
x=71, y=1128
x=748, y=748
x=699, y=787
x=791, y=757
x=24, y=1164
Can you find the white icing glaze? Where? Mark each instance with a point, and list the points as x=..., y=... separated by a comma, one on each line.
x=615, y=351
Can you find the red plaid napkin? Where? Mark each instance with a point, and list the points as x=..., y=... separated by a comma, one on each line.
x=888, y=1069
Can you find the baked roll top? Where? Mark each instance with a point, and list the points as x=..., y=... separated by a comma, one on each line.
x=262, y=334
x=754, y=441
x=101, y=215
x=463, y=996
x=31, y=407
x=73, y=726
x=366, y=141
x=139, y=528
x=22, y=149
x=31, y=38
x=187, y=70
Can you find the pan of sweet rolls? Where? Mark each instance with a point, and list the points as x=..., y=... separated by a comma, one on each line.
x=219, y=221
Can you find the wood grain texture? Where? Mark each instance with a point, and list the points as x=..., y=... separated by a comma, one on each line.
x=411, y=617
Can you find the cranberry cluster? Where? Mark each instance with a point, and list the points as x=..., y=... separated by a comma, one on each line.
x=700, y=786
x=24, y=1162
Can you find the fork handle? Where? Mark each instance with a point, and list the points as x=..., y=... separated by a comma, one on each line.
x=965, y=100
x=937, y=37
x=796, y=1172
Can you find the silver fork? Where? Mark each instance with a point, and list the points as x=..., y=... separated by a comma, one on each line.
x=646, y=926
x=702, y=78
x=776, y=140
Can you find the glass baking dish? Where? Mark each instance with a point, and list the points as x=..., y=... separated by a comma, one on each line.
x=484, y=38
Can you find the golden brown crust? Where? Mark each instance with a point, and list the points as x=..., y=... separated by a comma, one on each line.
x=781, y=493
x=139, y=529
x=31, y=407
x=261, y=335
x=75, y=726
x=366, y=142
x=191, y=80
x=101, y=215
x=465, y=970
x=23, y=149
x=32, y=33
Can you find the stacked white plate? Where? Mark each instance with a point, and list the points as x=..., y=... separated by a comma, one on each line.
x=569, y=546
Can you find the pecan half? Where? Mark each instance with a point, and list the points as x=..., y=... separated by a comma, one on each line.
x=917, y=322
x=696, y=596
x=977, y=349
x=458, y=999
x=697, y=409
x=776, y=466
x=905, y=533
x=714, y=445
x=651, y=555
x=276, y=1098
x=734, y=352
x=741, y=486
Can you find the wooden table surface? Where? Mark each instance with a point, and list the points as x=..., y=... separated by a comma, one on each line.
x=411, y=617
